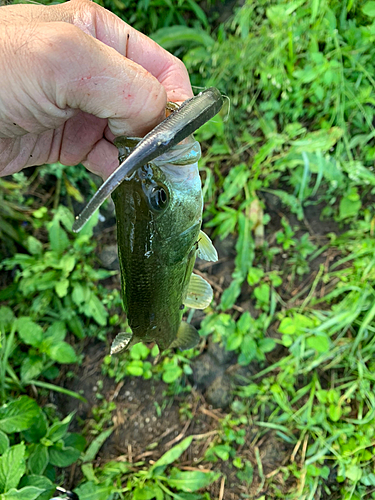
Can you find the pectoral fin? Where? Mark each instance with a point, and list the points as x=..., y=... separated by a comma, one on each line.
x=206, y=250
x=121, y=342
x=199, y=294
x=187, y=337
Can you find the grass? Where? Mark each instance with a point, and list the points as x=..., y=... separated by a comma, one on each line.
x=288, y=171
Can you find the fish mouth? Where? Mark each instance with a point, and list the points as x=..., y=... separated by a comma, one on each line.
x=186, y=152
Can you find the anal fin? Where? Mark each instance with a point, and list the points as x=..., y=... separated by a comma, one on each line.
x=187, y=337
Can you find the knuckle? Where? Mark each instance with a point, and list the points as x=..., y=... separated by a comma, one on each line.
x=84, y=14
x=179, y=64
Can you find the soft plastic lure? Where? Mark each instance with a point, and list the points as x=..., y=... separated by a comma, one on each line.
x=181, y=123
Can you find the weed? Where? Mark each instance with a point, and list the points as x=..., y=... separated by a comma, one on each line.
x=246, y=336
x=138, y=362
x=31, y=447
x=148, y=16
x=150, y=483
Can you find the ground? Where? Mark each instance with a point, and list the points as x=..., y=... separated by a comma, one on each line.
x=148, y=419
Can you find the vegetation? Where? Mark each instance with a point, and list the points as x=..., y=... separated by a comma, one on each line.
x=288, y=181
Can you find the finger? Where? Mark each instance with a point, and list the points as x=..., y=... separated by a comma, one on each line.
x=80, y=134
x=78, y=140
x=111, y=30
x=28, y=150
x=102, y=159
x=95, y=78
x=63, y=69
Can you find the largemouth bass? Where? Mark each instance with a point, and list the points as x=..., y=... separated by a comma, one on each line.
x=159, y=216
x=159, y=209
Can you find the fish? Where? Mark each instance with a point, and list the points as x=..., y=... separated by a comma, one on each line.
x=158, y=200
x=159, y=217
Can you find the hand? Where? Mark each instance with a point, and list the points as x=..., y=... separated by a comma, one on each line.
x=73, y=76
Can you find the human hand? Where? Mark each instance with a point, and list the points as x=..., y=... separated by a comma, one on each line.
x=73, y=76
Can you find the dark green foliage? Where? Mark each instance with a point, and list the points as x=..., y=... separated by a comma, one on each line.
x=151, y=15
x=24, y=466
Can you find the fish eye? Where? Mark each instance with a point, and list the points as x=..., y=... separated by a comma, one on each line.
x=159, y=198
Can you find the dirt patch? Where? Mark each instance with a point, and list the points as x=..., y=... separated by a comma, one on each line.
x=148, y=422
